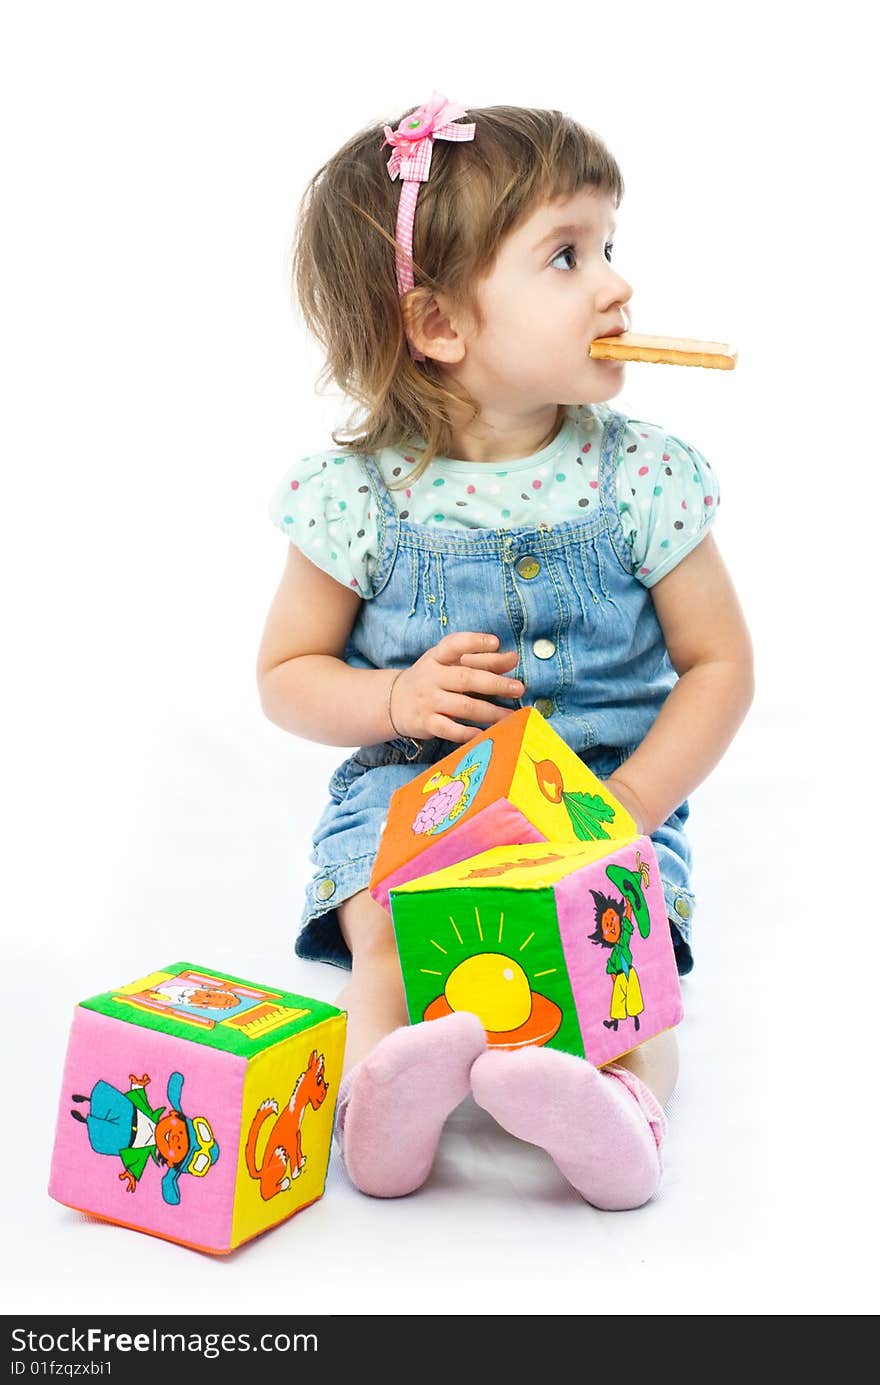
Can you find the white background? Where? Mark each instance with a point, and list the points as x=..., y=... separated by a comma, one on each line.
x=157, y=382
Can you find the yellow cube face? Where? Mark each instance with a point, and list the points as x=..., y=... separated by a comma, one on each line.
x=286, y=1127
x=529, y=866
x=559, y=795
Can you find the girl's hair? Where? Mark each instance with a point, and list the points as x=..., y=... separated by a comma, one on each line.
x=343, y=265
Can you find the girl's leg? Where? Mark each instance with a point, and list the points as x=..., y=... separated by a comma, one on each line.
x=603, y=1127
x=374, y=997
x=401, y=1081
x=655, y=1062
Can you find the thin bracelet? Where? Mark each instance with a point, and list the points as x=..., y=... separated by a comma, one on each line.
x=390, y=691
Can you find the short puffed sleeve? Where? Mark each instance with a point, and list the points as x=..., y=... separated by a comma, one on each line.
x=667, y=495
x=325, y=506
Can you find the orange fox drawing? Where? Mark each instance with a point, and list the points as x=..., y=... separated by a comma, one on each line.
x=284, y=1146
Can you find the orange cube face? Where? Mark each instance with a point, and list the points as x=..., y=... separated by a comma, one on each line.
x=516, y=782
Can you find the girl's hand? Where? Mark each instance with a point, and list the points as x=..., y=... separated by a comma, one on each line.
x=441, y=685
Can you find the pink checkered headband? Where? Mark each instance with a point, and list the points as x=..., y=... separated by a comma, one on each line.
x=413, y=141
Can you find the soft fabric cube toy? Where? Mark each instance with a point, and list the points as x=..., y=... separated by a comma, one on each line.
x=551, y=943
x=517, y=782
x=194, y=1106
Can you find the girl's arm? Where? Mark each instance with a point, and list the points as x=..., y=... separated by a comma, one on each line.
x=711, y=651
x=305, y=685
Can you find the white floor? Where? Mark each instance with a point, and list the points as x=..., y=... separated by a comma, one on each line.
x=759, y=1212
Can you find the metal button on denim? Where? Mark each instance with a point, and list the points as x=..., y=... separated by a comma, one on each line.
x=543, y=649
x=528, y=567
x=544, y=706
x=682, y=908
x=326, y=889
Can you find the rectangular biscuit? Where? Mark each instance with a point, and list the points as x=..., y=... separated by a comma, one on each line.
x=634, y=346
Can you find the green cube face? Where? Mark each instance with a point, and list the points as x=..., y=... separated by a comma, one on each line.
x=498, y=955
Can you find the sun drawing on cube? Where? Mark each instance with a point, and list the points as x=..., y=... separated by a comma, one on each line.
x=494, y=985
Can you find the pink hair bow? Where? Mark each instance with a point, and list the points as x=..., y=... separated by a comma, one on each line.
x=413, y=142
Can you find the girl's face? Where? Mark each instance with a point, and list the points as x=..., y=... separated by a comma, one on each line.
x=551, y=292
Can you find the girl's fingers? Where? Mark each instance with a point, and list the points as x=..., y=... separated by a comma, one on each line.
x=483, y=683
x=452, y=647
x=498, y=663
x=473, y=709
x=453, y=731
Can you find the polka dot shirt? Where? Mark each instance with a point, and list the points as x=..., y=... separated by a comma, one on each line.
x=666, y=492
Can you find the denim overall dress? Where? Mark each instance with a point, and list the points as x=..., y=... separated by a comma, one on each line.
x=591, y=656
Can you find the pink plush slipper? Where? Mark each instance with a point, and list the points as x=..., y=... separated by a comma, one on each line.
x=602, y=1128
x=393, y=1105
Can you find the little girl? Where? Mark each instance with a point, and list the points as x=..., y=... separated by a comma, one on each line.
x=495, y=536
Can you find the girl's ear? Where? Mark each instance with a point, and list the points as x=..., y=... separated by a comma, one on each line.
x=431, y=327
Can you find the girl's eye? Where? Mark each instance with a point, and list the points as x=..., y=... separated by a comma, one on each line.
x=570, y=250
x=566, y=250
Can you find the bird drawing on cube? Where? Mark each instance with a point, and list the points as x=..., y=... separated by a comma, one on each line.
x=194, y=1106
x=520, y=890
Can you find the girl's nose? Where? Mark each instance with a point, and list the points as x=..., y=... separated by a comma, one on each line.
x=624, y=289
